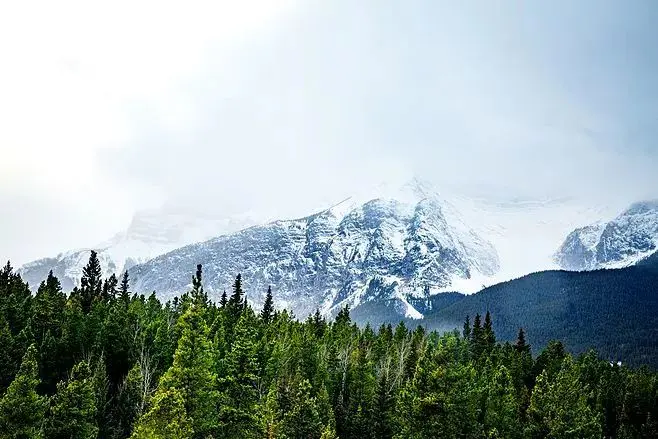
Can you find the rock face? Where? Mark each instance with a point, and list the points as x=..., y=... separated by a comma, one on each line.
x=150, y=233
x=402, y=245
x=627, y=239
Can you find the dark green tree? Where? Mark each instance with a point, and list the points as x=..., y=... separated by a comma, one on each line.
x=166, y=418
x=192, y=373
x=124, y=289
x=267, y=313
x=91, y=283
x=72, y=413
x=22, y=410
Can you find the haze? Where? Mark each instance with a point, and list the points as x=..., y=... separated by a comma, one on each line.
x=279, y=107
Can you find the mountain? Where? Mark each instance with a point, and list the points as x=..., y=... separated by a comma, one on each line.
x=401, y=244
x=628, y=238
x=150, y=233
x=614, y=311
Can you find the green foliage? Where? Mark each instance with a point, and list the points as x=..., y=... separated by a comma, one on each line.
x=166, y=419
x=21, y=408
x=559, y=408
x=106, y=365
x=72, y=413
x=192, y=373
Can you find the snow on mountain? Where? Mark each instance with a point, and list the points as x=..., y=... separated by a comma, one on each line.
x=524, y=231
x=627, y=239
x=150, y=233
x=390, y=244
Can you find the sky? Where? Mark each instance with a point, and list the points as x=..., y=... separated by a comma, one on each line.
x=278, y=107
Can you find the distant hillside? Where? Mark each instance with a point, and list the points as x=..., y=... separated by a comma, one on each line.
x=613, y=311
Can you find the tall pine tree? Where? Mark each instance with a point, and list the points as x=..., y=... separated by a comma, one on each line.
x=22, y=410
x=91, y=283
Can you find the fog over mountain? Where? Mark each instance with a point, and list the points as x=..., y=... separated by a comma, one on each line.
x=275, y=110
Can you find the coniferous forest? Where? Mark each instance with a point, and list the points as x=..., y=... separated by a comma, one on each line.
x=104, y=362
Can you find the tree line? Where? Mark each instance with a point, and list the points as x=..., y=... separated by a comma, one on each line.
x=104, y=362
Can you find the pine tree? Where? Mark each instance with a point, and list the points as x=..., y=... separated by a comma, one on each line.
x=48, y=308
x=238, y=385
x=267, y=313
x=521, y=346
x=198, y=296
x=302, y=419
x=234, y=308
x=489, y=338
x=124, y=289
x=110, y=288
x=383, y=412
x=477, y=338
x=72, y=413
x=466, y=333
x=91, y=282
x=559, y=409
x=192, y=373
x=223, y=301
x=7, y=363
x=22, y=410
x=128, y=402
x=166, y=419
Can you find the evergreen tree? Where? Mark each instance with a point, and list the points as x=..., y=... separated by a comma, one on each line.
x=192, y=374
x=559, y=409
x=22, y=410
x=489, y=338
x=198, y=296
x=110, y=288
x=384, y=408
x=466, y=332
x=124, y=289
x=7, y=361
x=72, y=413
x=128, y=403
x=477, y=338
x=302, y=419
x=91, y=282
x=166, y=419
x=521, y=346
x=267, y=313
x=501, y=406
x=223, y=301
x=239, y=413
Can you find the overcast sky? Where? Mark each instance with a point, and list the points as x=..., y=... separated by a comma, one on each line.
x=283, y=105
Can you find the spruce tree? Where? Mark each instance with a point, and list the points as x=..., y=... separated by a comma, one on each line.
x=521, y=346
x=166, y=419
x=238, y=384
x=489, y=338
x=124, y=289
x=91, y=282
x=267, y=313
x=72, y=413
x=7, y=363
x=559, y=408
x=302, y=419
x=223, y=301
x=48, y=308
x=22, y=410
x=466, y=332
x=110, y=288
x=477, y=338
x=198, y=296
x=192, y=373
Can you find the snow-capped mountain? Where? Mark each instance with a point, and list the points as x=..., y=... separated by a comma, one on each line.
x=627, y=239
x=403, y=243
x=150, y=233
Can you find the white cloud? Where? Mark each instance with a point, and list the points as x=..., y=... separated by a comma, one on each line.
x=285, y=105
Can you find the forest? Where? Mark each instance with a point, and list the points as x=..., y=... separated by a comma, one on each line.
x=102, y=361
